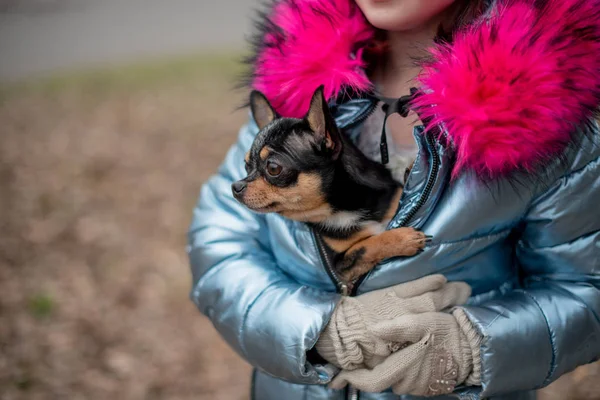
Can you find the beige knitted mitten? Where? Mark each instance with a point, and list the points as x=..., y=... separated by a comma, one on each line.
x=438, y=352
x=348, y=340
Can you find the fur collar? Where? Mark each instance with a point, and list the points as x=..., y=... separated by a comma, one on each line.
x=510, y=90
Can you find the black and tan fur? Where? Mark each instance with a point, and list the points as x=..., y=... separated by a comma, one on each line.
x=305, y=170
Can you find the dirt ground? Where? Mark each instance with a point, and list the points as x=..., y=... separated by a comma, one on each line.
x=98, y=177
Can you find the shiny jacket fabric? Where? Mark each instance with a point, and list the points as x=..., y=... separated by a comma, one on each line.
x=528, y=244
x=531, y=254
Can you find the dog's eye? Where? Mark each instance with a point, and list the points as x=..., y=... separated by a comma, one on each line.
x=248, y=168
x=273, y=169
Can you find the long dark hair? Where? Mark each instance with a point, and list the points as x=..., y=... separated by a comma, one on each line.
x=461, y=14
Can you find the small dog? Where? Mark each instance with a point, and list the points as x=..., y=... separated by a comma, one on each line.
x=306, y=170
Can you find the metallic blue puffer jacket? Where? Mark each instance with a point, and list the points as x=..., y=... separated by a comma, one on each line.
x=532, y=256
x=530, y=249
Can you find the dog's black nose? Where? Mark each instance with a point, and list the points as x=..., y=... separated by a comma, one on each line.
x=238, y=187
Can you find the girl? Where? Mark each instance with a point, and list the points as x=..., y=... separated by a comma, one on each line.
x=506, y=173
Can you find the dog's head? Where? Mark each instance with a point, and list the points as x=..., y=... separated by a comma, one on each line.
x=291, y=162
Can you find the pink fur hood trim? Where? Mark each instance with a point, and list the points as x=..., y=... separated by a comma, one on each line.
x=510, y=90
x=308, y=43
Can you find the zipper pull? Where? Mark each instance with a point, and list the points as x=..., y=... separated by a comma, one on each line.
x=344, y=291
x=383, y=146
x=397, y=106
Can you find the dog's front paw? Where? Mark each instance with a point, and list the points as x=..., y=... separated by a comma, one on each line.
x=410, y=241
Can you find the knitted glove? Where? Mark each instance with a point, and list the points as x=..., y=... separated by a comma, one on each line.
x=348, y=341
x=438, y=352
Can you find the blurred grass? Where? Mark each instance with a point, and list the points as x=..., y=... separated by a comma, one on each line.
x=138, y=76
x=41, y=305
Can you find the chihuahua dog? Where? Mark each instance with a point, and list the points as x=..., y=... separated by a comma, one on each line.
x=306, y=170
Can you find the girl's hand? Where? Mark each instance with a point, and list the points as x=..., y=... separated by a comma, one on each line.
x=349, y=341
x=437, y=353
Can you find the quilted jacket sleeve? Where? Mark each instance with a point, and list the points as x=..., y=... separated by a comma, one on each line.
x=266, y=316
x=534, y=335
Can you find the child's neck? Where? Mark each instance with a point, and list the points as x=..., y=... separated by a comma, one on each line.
x=396, y=74
x=398, y=70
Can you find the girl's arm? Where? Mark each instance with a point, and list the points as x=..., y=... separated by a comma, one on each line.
x=267, y=317
x=534, y=335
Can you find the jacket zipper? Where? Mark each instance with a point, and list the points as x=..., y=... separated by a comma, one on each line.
x=435, y=166
x=352, y=393
x=342, y=288
x=366, y=114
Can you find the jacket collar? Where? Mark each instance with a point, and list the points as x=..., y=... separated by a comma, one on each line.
x=509, y=91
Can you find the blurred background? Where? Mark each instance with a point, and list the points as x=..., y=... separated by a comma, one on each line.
x=112, y=115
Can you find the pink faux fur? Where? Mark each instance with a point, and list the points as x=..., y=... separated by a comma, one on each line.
x=510, y=90
x=309, y=43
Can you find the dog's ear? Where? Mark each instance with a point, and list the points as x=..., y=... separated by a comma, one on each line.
x=262, y=111
x=321, y=123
